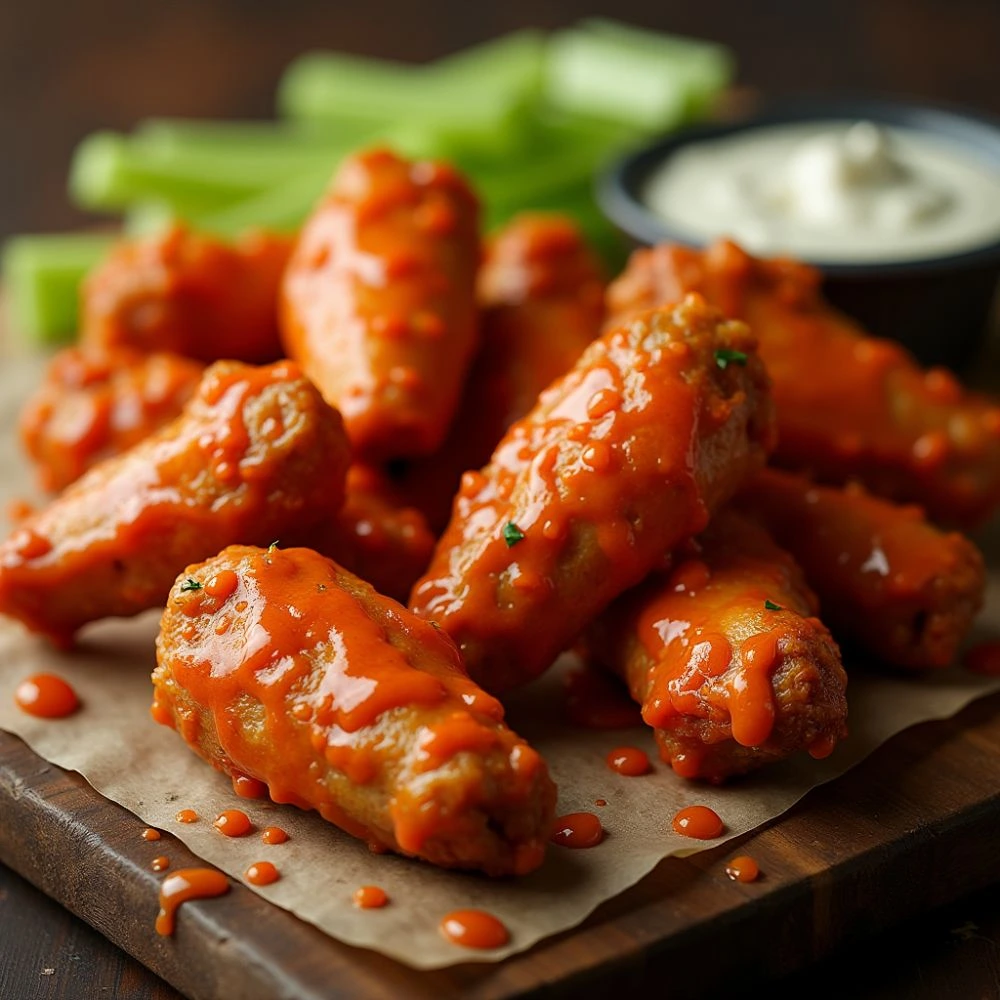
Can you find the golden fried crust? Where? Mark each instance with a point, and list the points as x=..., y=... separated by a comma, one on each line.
x=659, y=422
x=725, y=655
x=376, y=536
x=256, y=455
x=541, y=302
x=378, y=302
x=363, y=713
x=887, y=579
x=190, y=294
x=849, y=406
x=94, y=404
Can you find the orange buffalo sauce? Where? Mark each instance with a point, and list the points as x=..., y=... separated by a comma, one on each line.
x=581, y=829
x=46, y=696
x=262, y=873
x=182, y=887
x=187, y=816
x=150, y=834
x=629, y=761
x=743, y=869
x=698, y=822
x=274, y=835
x=474, y=929
x=160, y=864
x=370, y=897
x=248, y=788
x=233, y=823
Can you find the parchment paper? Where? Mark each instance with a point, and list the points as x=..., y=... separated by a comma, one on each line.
x=115, y=745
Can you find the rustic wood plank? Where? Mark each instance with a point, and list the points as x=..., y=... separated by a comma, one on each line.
x=910, y=829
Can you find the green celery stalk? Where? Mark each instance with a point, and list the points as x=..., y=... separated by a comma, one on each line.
x=182, y=135
x=42, y=275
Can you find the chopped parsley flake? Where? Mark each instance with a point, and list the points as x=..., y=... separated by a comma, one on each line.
x=771, y=606
x=190, y=584
x=724, y=358
x=512, y=534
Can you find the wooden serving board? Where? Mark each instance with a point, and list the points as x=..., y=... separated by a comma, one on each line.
x=911, y=828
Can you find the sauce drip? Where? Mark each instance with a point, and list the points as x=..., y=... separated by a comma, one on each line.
x=183, y=886
x=578, y=830
x=46, y=697
x=262, y=873
x=160, y=864
x=743, y=869
x=249, y=788
x=370, y=897
x=474, y=929
x=233, y=823
x=150, y=834
x=600, y=802
x=274, y=835
x=628, y=761
x=984, y=658
x=698, y=822
x=187, y=816
x=596, y=701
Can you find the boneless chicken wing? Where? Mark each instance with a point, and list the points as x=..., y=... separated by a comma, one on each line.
x=888, y=580
x=849, y=406
x=255, y=456
x=378, y=302
x=283, y=666
x=94, y=404
x=541, y=302
x=624, y=457
x=188, y=293
x=725, y=655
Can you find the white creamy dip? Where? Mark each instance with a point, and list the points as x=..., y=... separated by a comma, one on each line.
x=838, y=192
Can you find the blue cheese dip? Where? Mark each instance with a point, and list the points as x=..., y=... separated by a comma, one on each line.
x=838, y=192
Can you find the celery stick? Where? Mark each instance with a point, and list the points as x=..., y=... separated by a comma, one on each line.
x=607, y=72
x=513, y=63
x=147, y=218
x=177, y=135
x=42, y=275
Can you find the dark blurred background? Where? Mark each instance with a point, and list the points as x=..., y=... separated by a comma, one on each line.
x=67, y=68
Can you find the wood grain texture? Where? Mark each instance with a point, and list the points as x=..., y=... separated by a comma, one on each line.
x=912, y=828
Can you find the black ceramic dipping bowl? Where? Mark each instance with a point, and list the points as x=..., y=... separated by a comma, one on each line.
x=940, y=307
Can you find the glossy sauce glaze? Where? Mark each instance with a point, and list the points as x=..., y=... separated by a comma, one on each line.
x=46, y=696
x=887, y=578
x=474, y=929
x=356, y=708
x=909, y=434
x=183, y=886
x=698, y=822
x=378, y=301
x=580, y=829
x=621, y=459
x=262, y=873
x=248, y=788
x=726, y=656
x=370, y=897
x=257, y=454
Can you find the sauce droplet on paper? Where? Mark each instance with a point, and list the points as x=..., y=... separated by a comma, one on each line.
x=579, y=830
x=698, y=822
x=628, y=761
x=262, y=873
x=743, y=869
x=46, y=697
x=182, y=887
x=274, y=835
x=474, y=929
x=370, y=897
x=233, y=823
x=187, y=816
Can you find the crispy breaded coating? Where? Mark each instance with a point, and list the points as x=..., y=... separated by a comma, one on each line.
x=378, y=302
x=725, y=655
x=94, y=404
x=661, y=420
x=255, y=456
x=188, y=293
x=849, y=406
x=541, y=302
x=888, y=580
x=283, y=666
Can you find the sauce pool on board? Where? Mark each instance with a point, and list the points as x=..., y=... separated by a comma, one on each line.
x=581, y=829
x=698, y=822
x=233, y=823
x=46, y=697
x=160, y=864
x=183, y=886
x=743, y=869
x=474, y=929
x=628, y=761
x=262, y=873
x=370, y=897
x=150, y=834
